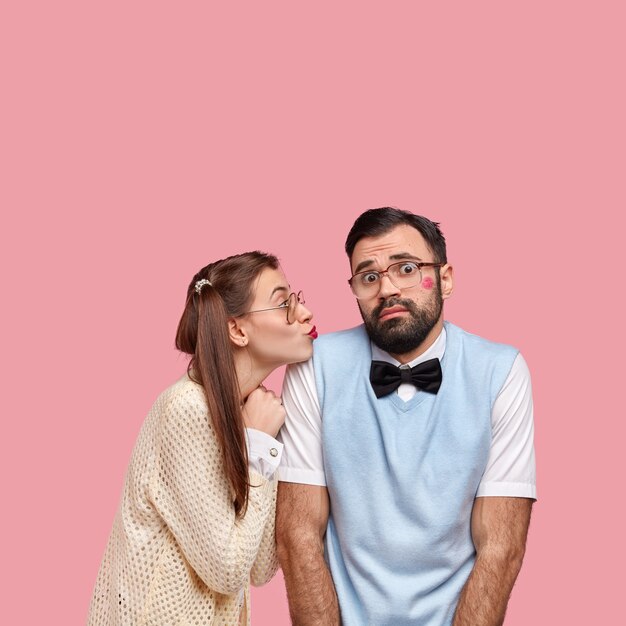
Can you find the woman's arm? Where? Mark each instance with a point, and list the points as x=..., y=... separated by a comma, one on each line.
x=266, y=563
x=190, y=491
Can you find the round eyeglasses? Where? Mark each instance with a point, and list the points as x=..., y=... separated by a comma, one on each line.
x=403, y=275
x=290, y=305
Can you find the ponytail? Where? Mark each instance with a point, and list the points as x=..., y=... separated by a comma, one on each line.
x=203, y=333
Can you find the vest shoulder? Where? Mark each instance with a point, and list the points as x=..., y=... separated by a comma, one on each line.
x=477, y=342
x=341, y=337
x=342, y=347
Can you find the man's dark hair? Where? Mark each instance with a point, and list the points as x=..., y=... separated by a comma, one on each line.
x=376, y=222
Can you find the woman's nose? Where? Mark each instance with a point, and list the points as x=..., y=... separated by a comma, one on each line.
x=304, y=315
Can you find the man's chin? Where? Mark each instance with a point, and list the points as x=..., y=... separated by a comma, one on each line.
x=392, y=322
x=395, y=342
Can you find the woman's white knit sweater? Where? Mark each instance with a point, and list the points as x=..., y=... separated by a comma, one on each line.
x=177, y=554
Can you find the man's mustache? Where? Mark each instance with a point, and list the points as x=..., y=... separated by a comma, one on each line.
x=409, y=305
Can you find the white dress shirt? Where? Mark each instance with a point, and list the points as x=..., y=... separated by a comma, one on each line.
x=264, y=452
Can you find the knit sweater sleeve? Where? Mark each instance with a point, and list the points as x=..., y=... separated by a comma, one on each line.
x=190, y=491
x=266, y=562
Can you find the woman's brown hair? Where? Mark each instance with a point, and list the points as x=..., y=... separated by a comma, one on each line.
x=203, y=333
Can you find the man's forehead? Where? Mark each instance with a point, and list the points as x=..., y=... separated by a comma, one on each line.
x=400, y=239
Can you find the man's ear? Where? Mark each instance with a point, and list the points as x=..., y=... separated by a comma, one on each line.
x=446, y=273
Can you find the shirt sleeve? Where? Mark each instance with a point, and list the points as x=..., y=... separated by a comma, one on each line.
x=510, y=469
x=264, y=452
x=302, y=461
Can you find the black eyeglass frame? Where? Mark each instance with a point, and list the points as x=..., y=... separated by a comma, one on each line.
x=418, y=264
x=285, y=305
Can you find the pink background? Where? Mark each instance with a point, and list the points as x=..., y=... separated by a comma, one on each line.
x=141, y=140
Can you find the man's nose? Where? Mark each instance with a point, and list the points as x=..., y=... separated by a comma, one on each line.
x=387, y=288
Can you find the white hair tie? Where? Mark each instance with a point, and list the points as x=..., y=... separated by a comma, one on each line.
x=201, y=283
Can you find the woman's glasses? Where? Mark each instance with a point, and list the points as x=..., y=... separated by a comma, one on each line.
x=290, y=305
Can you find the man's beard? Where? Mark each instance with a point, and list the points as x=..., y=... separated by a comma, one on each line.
x=403, y=334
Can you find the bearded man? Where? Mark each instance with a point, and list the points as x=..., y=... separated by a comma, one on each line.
x=408, y=471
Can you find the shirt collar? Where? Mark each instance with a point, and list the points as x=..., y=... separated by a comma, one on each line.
x=435, y=351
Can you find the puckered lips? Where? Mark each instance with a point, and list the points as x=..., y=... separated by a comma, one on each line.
x=391, y=312
x=313, y=333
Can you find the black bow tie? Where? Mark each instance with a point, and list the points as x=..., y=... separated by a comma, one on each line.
x=386, y=377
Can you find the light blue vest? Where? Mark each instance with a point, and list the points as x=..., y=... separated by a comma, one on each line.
x=402, y=477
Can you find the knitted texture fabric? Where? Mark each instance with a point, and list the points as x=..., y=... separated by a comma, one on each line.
x=177, y=554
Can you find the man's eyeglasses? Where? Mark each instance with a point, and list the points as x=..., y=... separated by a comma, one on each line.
x=403, y=275
x=290, y=305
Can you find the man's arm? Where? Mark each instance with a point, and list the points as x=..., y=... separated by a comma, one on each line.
x=499, y=530
x=301, y=518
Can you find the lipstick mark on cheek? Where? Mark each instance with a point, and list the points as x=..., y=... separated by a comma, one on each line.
x=428, y=283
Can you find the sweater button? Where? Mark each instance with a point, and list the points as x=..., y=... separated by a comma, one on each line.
x=273, y=451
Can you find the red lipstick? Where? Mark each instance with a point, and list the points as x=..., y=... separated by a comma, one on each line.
x=313, y=333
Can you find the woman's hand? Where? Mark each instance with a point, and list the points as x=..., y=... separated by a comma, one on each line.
x=264, y=411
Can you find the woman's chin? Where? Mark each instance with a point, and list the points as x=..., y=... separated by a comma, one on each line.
x=303, y=355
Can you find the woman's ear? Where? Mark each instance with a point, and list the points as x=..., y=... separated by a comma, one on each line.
x=237, y=334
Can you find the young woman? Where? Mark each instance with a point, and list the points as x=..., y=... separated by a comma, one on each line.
x=196, y=519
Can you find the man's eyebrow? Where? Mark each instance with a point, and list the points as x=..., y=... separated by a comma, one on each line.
x=398, y=256
x=362, y=265
x=404, y=255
